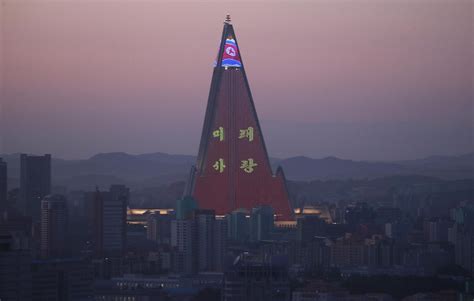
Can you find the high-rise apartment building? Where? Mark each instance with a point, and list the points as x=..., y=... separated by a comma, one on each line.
x=199, y=242
x=238, y=225
x=183, y=240
x=54, y=225
x=205, y=230
x=158, y=227
x=261, y=223
x=220, y=244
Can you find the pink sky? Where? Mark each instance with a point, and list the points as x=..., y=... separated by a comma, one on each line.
x=356, y=79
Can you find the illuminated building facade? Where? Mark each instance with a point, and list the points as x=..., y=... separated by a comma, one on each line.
x=233, y=168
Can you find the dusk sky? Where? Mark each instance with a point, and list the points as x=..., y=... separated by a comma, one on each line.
x=363, y=80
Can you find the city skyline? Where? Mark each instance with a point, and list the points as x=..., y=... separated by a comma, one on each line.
x=373, y=82
x=315, y=176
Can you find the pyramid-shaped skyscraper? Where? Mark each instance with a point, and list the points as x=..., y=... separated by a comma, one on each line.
x=233, y=169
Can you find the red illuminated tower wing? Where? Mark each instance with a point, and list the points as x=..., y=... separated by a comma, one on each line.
x=233, y=168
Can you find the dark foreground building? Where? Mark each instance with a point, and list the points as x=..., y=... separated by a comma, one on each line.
x=15, y=269
x=61, y=280
x=256, y=279
x=233, y=169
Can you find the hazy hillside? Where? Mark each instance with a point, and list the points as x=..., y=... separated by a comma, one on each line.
x=155, y=169
x=446, y=167
x=109, y=168
x=304, y=168
x=456, y=167
x=382, y=190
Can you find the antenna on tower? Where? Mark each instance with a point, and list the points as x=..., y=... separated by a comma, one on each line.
x=227, y=19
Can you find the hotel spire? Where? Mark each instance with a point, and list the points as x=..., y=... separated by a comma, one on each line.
x=233, y=168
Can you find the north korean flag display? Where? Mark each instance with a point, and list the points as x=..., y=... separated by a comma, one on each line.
x=231, y=57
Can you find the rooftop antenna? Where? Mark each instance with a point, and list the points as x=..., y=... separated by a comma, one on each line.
x=227, y=19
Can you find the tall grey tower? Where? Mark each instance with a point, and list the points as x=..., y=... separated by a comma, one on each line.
x=3, y=184
x=107, y=220
x=35, y=183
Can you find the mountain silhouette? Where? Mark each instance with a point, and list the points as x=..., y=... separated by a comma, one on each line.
x=153, y=169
